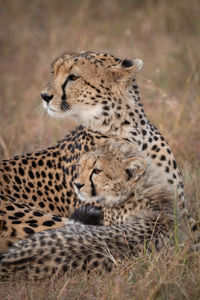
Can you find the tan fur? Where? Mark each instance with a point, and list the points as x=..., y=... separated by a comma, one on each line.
x=144, y=216
x=104, y=98
x=122, y=195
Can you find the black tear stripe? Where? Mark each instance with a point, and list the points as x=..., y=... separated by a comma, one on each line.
x=64, y=97
x=93, y=190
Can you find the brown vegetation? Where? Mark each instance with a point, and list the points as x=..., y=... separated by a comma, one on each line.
x=166, y=35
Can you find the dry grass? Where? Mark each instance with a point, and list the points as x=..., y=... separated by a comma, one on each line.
x=166, y=35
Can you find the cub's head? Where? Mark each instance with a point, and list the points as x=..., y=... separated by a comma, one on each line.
x=88, y=86
x=108, y=175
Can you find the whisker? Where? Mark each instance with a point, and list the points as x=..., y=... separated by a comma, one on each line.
x=64, y=106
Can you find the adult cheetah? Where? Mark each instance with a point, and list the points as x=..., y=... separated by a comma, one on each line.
x=100, y=91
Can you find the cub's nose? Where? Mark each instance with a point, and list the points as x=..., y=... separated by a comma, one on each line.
x=46, y=97
x=78, y=185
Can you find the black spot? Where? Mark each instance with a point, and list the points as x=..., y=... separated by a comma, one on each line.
x=41, y=204
x=118, y=115
x=13, y=233
x=19, y=214
x=21, y=171
x=37, y=214
x=16, y=195
x=126, y=122
x=18, y=180
x=127, y=63
x=49, y=164
x=170, y=181
x=43, y=174
x=28, y=230
x=40, y=162
x=16, y=188
x=154, y=147
x=168, y=150
x=174, y=164
x=144, y=132
x=24, y=196
x=31, y=221
x=51, y=206
x=30, y=184
x=34, y=198
x=31, y=175
x=16, y=222
x=167, y=169
x=48, y=223
x=6, y=178
x=144, y=146
x=24, y=161
x=56, y=219
x=57, y=188
x=34, y=164
x=69, y=146
x=27, y=189
x=19, y=205
x=58, y=260
x=9, y=207
x=162, y=157
x=53, y=250
x=86, y=148
x=39, y=193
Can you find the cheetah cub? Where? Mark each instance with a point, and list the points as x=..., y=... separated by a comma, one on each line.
x=118, y=179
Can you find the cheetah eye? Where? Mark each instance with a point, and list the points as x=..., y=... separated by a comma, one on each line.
x=73, y=77
x=97, y=171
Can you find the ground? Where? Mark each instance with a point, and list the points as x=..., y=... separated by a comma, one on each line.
x=167, y=38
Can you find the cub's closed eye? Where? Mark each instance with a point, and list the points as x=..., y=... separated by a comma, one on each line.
x=73, y=77
x=97, y=171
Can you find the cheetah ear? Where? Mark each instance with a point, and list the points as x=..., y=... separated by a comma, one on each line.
x=126, y=69
x=134, y=167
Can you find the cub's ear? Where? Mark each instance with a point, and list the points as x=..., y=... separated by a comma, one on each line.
x=134, y=167
x=126, y=69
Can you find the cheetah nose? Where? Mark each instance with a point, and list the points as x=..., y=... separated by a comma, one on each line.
x=46, y=97
x=78, y=185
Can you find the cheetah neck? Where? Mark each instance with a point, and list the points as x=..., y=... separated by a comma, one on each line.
x=128, y=122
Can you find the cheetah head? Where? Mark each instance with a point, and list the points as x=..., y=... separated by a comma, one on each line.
x=88, y=86
x=109, y=175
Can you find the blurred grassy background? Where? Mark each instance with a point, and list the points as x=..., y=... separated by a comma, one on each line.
x=165, y=34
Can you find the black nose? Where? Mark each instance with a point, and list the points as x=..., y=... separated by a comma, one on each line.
x=46, y=97
x=78, y=185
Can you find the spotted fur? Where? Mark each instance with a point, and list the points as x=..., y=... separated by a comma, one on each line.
x=137, y=207
x=99, y=91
